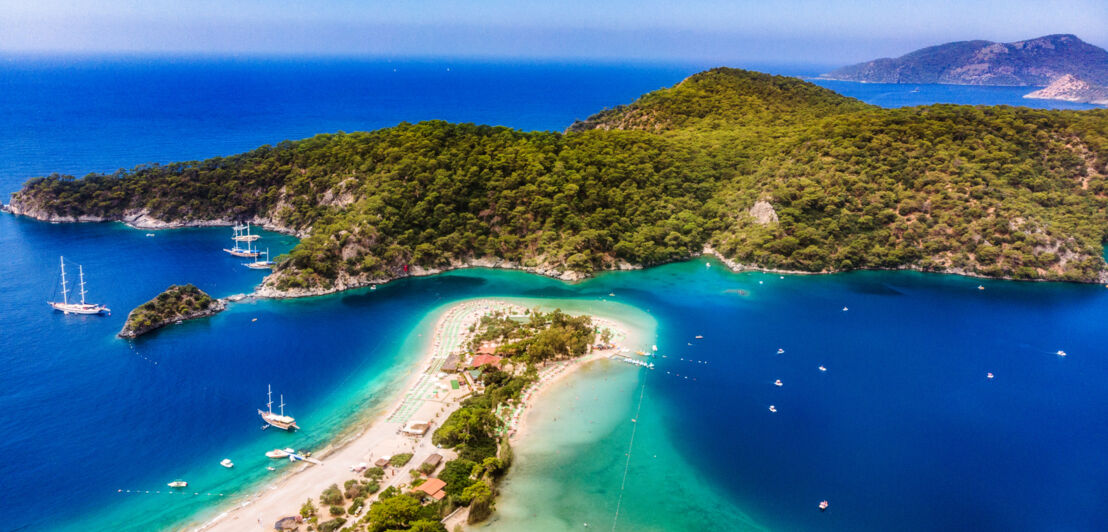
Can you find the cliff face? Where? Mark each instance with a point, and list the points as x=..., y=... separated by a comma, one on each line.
x=1069, y=88
x=1033, y=62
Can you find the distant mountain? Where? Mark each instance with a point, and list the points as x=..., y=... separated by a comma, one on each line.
x=1035, y=62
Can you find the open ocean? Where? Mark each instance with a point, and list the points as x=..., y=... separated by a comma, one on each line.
x=902, y=432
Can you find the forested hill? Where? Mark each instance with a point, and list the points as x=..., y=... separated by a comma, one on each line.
x=770, y=171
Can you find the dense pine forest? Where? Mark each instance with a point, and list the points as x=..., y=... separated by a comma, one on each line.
x=770, y=171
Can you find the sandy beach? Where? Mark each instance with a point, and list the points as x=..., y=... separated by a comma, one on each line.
x=425, y=397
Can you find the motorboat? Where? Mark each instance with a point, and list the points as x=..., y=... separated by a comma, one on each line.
x=226, y=462
x=178, y=484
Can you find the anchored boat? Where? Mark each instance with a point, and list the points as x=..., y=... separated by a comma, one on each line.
x=260, y=264
x=76, y=308
x=242, y=234
x=280, y=421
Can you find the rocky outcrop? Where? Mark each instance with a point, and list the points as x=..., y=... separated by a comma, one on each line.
x=1071, y=89
x=763, y=213
x=176, y=304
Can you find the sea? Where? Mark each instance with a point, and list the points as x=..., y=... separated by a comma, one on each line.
x=902, y=429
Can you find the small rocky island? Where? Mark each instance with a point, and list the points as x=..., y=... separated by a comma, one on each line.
x=177, y=303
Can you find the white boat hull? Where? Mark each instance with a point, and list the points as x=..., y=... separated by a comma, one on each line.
x=76, y=308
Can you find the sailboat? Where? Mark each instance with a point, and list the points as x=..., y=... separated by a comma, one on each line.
x=280, y=421
x=260, y=264
x=242, y=234
x=77, y=308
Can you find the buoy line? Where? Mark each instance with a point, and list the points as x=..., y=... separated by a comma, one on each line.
x=630, y=445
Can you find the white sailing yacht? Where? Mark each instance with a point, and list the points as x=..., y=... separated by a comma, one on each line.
x=242, y=234
x=280, y=421
x=260, y=264
x=76, y=308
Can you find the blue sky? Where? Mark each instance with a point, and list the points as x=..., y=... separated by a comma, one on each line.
x=801, y=31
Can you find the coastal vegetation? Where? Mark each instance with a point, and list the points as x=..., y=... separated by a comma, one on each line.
x=475, y=431
x=176, y=303
x=767, y=171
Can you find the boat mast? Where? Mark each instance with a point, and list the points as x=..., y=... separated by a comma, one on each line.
x=81, y=273
x=269, y=405
x=65, y=292
x=282, y=405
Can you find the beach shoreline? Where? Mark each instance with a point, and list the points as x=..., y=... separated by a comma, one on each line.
x=380, y=435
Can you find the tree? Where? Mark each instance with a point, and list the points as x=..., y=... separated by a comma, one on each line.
x=393, y=513
x=308, y=509
x=473, y=491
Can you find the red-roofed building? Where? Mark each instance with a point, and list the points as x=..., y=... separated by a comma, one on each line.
x=481, y=360
x=486, y=349
x=433, y=488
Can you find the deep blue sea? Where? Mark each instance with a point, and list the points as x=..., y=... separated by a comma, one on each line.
x=902, y=432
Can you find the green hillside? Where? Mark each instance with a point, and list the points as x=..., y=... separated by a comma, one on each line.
x=996, y=191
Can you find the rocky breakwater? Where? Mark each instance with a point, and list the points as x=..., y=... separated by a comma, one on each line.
x=176, y=304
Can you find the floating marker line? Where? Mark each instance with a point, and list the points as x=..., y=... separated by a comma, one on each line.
x=630, y=445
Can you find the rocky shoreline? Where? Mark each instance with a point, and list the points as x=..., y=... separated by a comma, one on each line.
x=143, y=220
x=217, y=306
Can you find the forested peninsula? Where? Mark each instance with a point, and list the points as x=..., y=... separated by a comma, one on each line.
x=766, y=171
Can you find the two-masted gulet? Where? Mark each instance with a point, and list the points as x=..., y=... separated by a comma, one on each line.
x=260, y=264
x=76, y=308
x=242, y=235
x=280, y=421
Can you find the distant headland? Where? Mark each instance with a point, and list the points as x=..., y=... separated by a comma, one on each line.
x=767, y=172
x=1082, y=67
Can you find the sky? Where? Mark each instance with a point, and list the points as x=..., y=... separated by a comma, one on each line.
x=788, y=31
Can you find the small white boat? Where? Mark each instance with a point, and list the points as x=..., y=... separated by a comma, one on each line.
x=777, y=383
x=845, y=309
x=271, y=468
x=654, y=347
x=226, y=462
x=823, y=505
x=277, y=453
x=707, y=265
x=699, y=336
x=178, y=484
x=780, y=351
x=989, y=375
x=821, y=368
x=772, y=408
x=979, y=287
x=373, y=287
x=1061, y=353
x=149, y=234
